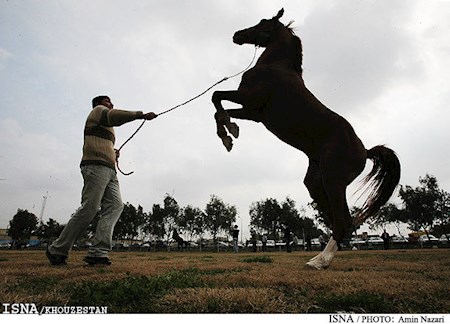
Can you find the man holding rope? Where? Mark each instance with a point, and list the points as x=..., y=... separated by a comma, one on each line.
x=101, y=191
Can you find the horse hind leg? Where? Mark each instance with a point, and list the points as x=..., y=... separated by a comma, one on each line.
x=330, y=196
x=314, y=183
x=341, y=224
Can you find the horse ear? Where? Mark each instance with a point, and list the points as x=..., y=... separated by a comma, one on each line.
x=279, y=14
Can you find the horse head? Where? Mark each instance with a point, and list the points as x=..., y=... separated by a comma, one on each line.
x=261, y=33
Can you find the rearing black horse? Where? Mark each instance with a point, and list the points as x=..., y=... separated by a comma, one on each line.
x=273, y=93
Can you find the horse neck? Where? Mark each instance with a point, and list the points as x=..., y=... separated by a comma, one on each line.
x=286, y=50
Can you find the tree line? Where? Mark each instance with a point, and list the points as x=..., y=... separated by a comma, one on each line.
x=423, y=208
x=193, y=223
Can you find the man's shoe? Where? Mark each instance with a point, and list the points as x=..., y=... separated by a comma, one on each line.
x=55, y=259
x=97, y=260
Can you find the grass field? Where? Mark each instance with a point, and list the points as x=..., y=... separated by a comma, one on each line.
x=410, y=281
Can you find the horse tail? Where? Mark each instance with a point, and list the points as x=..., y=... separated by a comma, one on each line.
x=383, y=180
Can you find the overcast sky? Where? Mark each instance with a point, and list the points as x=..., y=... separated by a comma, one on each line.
x=383, y=65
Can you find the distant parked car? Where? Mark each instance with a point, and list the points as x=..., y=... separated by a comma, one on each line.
x=121, y=246
x=271, y=243
x=135, y=246
x=33, y=244
x=193, y=244
x=444, y=240
x=356, y=241
x=428, y=238
x=375, y=240
x=5, y=244
x=315, y=242
x=145, y=245
x=399, y=239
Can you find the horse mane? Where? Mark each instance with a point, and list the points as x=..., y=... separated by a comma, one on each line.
x=298, y=50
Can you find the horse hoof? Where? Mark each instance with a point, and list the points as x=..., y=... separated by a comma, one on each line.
x=313, y=265
x=233, y=128
x=227, y=142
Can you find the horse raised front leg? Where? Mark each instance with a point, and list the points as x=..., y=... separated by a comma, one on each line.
x=223, y=119
x=223, y=134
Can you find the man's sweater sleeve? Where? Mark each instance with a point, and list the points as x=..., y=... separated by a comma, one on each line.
x=117, y=117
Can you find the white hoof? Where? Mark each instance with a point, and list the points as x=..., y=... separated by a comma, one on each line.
x=315, y=265
x=324, y=258
x=321, y=261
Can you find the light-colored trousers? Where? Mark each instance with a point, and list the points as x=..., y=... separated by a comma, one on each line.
x=100, y=192
x=235, y=245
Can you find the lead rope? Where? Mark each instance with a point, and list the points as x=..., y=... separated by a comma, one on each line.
x=178, y=106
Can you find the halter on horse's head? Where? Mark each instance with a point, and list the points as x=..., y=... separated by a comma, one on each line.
x=279, y=39
x=260, y=34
